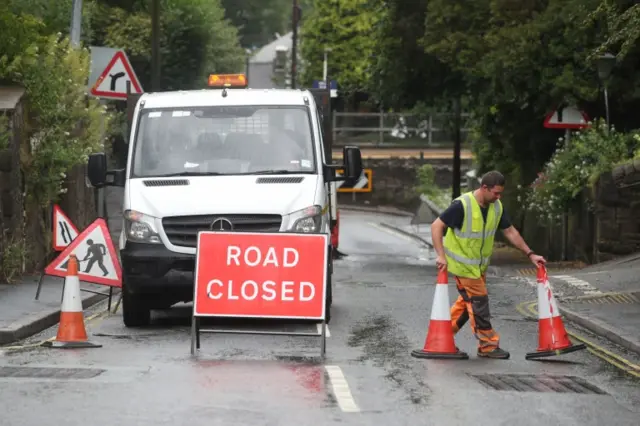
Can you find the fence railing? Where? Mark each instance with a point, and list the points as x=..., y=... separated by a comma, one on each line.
x=398, y=128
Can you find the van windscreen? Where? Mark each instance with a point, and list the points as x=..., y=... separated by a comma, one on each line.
x=227, y=140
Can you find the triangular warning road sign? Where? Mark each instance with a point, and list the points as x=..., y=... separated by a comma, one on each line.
x=64, y=231
x=97, y=259
x=112, y=83
x=566, y=118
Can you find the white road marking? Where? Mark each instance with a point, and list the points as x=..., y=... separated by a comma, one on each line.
x=328, y=334
x=578, y=283
x=533, y=282
x=341, y=389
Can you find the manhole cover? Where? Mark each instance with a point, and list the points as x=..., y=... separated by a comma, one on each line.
x=537, y=383
x=49, y=373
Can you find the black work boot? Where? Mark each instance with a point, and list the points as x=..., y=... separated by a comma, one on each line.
x=497, y=353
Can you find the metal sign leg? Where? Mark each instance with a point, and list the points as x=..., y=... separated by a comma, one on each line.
x=193, y=335
x=323, y=341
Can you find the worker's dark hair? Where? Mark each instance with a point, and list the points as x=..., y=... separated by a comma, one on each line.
x=492, y=178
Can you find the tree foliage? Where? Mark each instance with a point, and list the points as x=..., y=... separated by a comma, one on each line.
x=348, y=28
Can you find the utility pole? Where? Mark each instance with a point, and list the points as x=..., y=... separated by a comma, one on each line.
x=457, y=144
x=76, y=23
x=295, y=15
x=155, y=45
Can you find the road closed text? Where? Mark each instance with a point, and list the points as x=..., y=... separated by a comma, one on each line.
x=261, y=275
x=286, y=291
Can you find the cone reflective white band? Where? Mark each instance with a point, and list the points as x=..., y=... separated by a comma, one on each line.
x=71, y=301
x=440, y=310
x=547, y=307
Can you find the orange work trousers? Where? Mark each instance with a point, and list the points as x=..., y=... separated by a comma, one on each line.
x=473, y=304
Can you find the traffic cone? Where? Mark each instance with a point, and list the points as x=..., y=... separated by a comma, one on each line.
x=439, y=342
x=71, y=331
x=552, y=336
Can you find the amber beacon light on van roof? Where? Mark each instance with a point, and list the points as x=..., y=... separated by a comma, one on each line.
x=227, y=80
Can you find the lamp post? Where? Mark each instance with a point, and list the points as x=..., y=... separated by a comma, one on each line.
x=325, y=63
x=605, y=64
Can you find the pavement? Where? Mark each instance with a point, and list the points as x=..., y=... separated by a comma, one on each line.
x=604, y=299
x=383, y=294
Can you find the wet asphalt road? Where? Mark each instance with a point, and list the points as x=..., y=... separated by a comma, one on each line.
x=382, y=299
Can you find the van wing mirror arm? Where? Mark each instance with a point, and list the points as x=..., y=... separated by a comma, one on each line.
x=330, y=173
x=116, y=177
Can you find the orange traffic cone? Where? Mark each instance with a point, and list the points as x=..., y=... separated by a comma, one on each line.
x=439, y=342
x=71, y=331
x=552, y=336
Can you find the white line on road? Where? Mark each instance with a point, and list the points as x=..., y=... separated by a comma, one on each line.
x=341, y=389
x=326, y=328
x=578, y=283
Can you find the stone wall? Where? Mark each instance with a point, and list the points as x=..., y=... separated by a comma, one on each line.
x=394, y=181
x=602, y=224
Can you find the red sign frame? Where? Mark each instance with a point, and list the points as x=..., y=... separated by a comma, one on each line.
x=214, y=275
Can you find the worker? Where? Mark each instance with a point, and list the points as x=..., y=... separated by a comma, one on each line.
x=470, y=223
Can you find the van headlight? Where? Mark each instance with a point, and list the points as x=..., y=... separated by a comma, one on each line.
x=307, y=220
x=140, y=227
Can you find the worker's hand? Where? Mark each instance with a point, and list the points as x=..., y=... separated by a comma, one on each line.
x=536, y=259
x=441, y=262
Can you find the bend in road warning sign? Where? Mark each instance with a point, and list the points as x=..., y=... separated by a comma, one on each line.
x=363, y=184
x=112, y=83
x=64, y=231
x=97, y=259
x=261, y=275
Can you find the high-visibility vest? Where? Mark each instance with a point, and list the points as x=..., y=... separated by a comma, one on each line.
x=468, y=250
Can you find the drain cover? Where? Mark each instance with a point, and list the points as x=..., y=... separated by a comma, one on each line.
x=610, y=298
x=49, y=373
x=537, y=383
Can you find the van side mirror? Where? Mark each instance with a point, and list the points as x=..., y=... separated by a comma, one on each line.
x=352, y=162
x=97, y=169
x=98, y=174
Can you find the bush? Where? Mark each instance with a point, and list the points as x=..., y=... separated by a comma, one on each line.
x=66, y=124
x=572, y=168
x=427, y=187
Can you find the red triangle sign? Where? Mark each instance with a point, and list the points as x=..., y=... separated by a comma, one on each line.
x=64, y=231
x=97, y=259
x=566, y=118
x=112, y=83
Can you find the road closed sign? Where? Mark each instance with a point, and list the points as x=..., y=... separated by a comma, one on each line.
x=262, y=275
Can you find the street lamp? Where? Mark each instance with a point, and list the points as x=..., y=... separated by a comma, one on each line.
x=605, y=64
x=327, y=50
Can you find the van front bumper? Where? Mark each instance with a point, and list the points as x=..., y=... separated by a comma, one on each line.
x=151, y=268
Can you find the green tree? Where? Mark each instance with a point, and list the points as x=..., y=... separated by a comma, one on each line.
x=348, y=27
x=257, y=21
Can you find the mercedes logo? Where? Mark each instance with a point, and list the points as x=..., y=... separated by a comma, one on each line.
x=221, y=224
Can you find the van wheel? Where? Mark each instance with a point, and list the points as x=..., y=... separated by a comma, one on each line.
x=135, y=310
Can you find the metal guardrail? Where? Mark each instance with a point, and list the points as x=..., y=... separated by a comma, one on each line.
x=378, y=128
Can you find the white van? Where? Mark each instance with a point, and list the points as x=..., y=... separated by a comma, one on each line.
x=215, y=159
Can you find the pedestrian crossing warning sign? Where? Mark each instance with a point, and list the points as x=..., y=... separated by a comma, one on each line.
x=97, y=259
x=362, y=184
x=64, y=231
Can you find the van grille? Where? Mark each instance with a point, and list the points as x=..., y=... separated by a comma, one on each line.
x=183, y=230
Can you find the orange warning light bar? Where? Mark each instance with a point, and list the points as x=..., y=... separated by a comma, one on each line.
x=227, y=80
